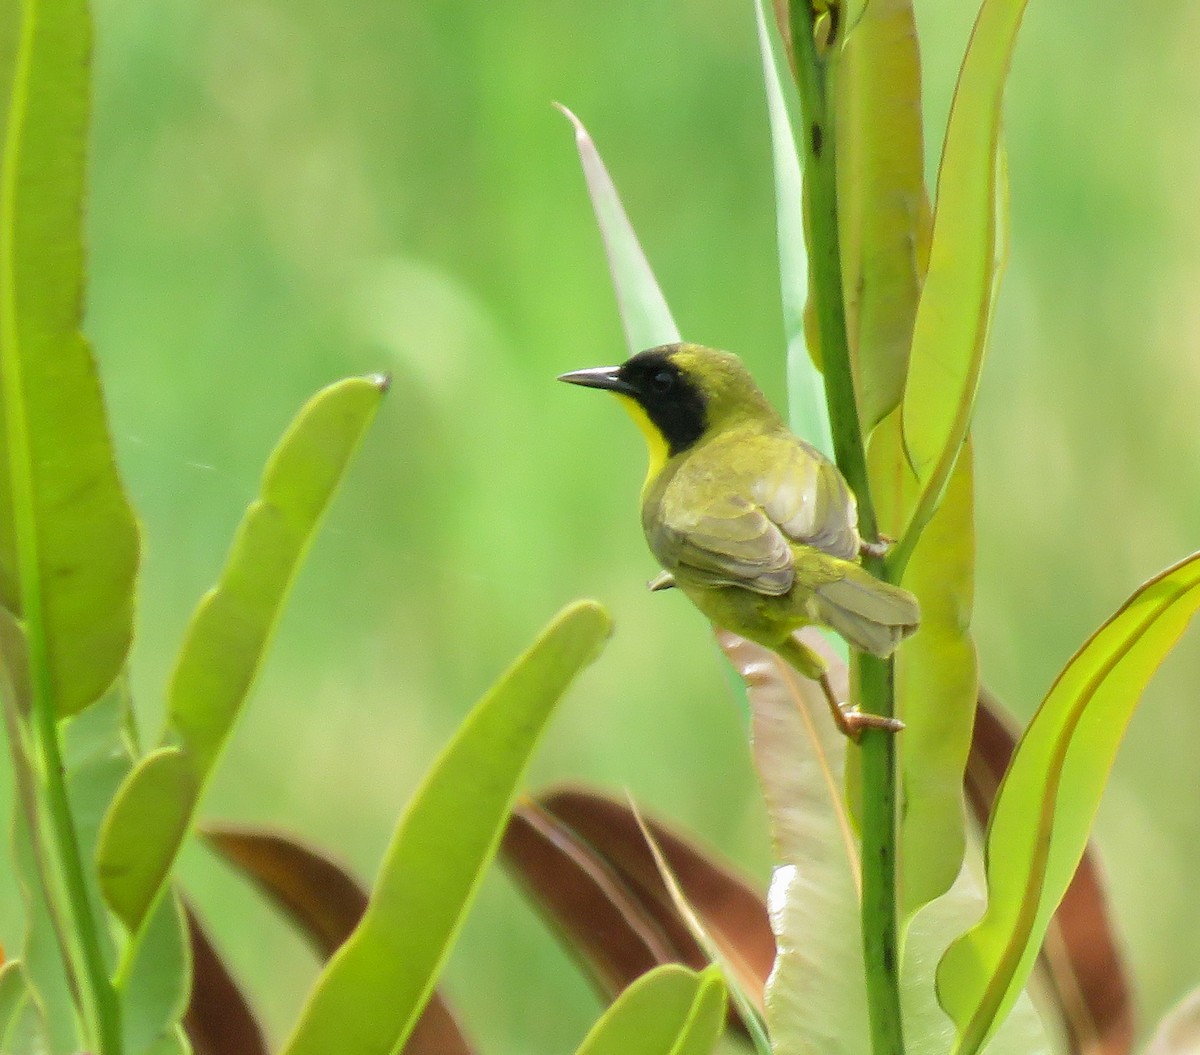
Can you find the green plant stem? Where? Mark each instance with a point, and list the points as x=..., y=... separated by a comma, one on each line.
x=876, y=682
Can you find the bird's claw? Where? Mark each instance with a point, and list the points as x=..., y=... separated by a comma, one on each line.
x=663, y=581
x=855, y=721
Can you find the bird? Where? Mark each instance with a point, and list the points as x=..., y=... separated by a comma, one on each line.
x=757, y=527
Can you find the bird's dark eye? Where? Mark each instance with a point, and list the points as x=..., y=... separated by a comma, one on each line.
x=662, y=382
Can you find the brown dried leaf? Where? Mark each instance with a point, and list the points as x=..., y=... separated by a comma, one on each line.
x=732, y=912
x=218, y=1021
x=601, y=921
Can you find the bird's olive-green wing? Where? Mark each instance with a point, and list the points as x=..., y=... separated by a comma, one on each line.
x=805, y=496
x=741, y=531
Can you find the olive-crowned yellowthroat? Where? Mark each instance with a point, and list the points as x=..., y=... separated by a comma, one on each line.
x=756, y=526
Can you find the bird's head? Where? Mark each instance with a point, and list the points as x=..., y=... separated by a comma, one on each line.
x=679, y=393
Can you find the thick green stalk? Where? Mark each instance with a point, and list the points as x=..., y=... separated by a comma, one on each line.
x=103, y=1011
x=876, y=687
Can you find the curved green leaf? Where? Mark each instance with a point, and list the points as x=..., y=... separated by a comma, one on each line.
x=226, y=643
x=370, y=995
x=936, y=677
x=644, y=313
x=807, y=409
x=668, y=1011
x=965, y=261
x=68, y=540
x=1049, y=797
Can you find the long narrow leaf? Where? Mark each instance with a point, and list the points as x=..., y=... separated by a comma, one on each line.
x=669, y=1011
x=226, y=643
x=965, y=261
x=883, y=205
x=369, y=996
x=936, y=676
x=807, y=409
x=1081, y=957
x=68, y=540
x=644, y=313
x=1050, y=795
x=325, y=903
x=816, y=996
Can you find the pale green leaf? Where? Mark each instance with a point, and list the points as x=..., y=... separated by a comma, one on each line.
x=665, y=1012
x=1049, y=797
x=69, y=543
x=965, y=261
x=156, y=994
x=370, y=995
x=936, y=675
x=927, y=1028
x=883, y=207
x=226, y=643
x=644, y=313
x=807, y=410
x=816, y=995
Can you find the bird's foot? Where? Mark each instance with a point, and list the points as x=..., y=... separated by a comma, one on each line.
x=852, y=722
x=663, y=581
x=878, y=548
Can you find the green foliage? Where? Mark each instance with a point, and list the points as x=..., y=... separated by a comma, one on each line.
x=225, y=644
x=1050, y=795
x=368, y=998
x=668, y=1011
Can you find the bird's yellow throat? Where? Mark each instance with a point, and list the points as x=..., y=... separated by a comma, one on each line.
x=656, y=443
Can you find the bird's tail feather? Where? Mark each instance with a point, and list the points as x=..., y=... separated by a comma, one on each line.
x=873, y=616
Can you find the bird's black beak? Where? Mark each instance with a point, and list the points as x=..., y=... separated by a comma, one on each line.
x=599, y=377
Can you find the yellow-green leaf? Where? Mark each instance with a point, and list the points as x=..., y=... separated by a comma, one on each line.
x=965, y=261
x=68, y=540
x=668, y=1011
x=936, y=670
x=226, y=643
x=883, y=205
x=1049, y=797
x=370, y=995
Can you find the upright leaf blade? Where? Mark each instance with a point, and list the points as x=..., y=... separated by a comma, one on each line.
x=965, y=261
x=69, y=543
x=369, y=996
x=936, y=677
x=226, y=643
x=644, y=313
x=884, y=222
x=1049, y=797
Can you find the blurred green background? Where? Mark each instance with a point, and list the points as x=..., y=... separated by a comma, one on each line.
x=287, y=192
